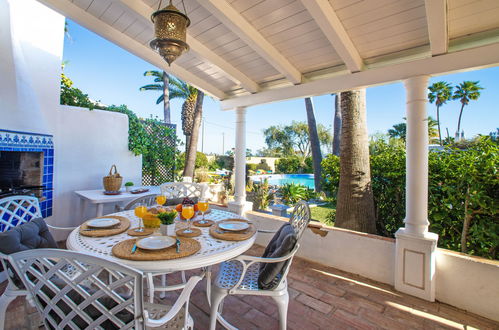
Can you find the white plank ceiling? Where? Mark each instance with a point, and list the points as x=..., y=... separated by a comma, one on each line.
x=244, y=47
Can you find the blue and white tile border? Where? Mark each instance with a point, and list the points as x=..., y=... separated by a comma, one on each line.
x=32, y=142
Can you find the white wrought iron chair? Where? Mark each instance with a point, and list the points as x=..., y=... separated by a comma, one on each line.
x=147, y=200
x=15, y=211
x=239, y=276
x=87, y=301
x=174, y=190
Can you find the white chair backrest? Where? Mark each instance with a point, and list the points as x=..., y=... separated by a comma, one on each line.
x=300, y=218
x=16, y=210
x=183, y=189
x=93, y=296
x=148, y=200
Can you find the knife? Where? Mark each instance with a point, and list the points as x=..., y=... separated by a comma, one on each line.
x=134, y=248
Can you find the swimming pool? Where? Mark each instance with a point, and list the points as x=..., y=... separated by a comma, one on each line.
x=281, y=179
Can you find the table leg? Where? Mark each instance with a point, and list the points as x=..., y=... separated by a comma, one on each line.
x=83, y=207
x=100, y=208
x=163, y=283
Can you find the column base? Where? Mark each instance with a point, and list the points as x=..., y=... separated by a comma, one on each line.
x=240, y=208
x=415, y=264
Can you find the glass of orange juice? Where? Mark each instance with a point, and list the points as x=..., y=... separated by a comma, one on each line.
x=203, y=207
x=188, y=213
x=140, y=210
x=161, y=199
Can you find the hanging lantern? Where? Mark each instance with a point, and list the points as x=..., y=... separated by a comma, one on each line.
x=170, y=29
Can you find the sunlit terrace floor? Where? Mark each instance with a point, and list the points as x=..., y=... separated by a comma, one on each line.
x=321, y=297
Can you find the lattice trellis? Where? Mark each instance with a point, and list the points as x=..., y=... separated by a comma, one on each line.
x=16, y=210
x=153, y=172
x=300, y=218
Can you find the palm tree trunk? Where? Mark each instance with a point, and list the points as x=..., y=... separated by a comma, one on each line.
x=337, y=124
x=315, y=144
x=438, y=122
x=355, y=208
x=459, y=121
x=166, y=98
x=190, y=158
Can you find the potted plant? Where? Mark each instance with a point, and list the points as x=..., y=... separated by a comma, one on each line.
x=128, y=186
x=167, y=219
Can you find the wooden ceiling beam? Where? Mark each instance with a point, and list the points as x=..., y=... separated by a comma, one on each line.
x=436, y=17
x=236, y=23
x=325, y=16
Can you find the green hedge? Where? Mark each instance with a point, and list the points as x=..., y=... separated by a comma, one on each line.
x=459, y=180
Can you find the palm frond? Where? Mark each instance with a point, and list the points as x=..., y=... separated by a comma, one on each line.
x=154, y=73
x=151, y=87
x=160, y=99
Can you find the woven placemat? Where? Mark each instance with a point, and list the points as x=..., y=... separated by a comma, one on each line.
x=207, y=223
x=147, y=231
x=216, y=232
x=123, y=250
x=118, y=229
x=195, y=232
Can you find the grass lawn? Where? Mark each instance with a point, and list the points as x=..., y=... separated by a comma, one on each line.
x=319, y=213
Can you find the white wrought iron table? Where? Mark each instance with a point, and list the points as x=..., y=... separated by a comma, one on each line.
x=213, y=251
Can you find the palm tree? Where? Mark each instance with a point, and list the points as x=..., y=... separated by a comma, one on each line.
x=315, y=144
x=190, y=158
x=355, y=207
x=161, y=84
x=466, y=91
x=182, y=90
x=337, y=124
x=399, y=131
x=440, y=93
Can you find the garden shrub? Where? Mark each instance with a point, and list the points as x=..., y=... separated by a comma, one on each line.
x=292, y=193
x=263, y=166
x=462, y=184
x=294, y=164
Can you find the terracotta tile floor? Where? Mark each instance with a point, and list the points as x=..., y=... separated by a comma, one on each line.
x=321, y=298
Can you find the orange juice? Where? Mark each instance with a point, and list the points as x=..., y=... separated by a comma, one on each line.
x=161, y=199
x=203, y=206
x=140, y=211
x=187, y=212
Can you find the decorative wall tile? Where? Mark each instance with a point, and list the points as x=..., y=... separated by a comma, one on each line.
x=24, y=141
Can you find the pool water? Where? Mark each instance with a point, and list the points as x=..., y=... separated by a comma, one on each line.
x=303, y=179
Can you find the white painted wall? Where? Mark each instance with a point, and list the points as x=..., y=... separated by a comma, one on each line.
x=86, y=143
x=463, y=281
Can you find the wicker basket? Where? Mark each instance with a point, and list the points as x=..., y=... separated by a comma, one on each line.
x=113, y=181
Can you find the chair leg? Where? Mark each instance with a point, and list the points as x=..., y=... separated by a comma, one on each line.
x=217, y=297
x=5, y=301
x=282, y=305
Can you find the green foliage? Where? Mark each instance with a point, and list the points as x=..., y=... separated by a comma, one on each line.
x=262, y=195
x=263, y=166
x=201, y=160
x=292, y=193
x=331, y=175
x=455, y=176
x=330, y=217
x=167, y=218
x=73, y=96
x=294, y=164
x=129, y=184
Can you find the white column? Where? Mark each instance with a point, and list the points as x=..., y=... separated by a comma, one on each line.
x=415, y=247
x=239, y=205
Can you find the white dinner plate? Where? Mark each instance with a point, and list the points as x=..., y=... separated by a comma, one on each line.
x=103, y=222
x=233, y=225
x=156, y=242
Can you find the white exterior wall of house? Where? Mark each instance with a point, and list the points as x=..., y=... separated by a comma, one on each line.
x=466, y=282
x=86, y=143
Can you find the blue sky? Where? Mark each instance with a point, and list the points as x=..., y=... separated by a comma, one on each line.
x=112, y=75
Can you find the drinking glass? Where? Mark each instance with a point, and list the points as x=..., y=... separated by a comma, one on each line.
x=188, y=213
x=140, y=211
x=203, y=207
x=161, y=200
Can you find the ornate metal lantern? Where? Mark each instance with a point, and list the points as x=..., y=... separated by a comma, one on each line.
x=170, y=29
